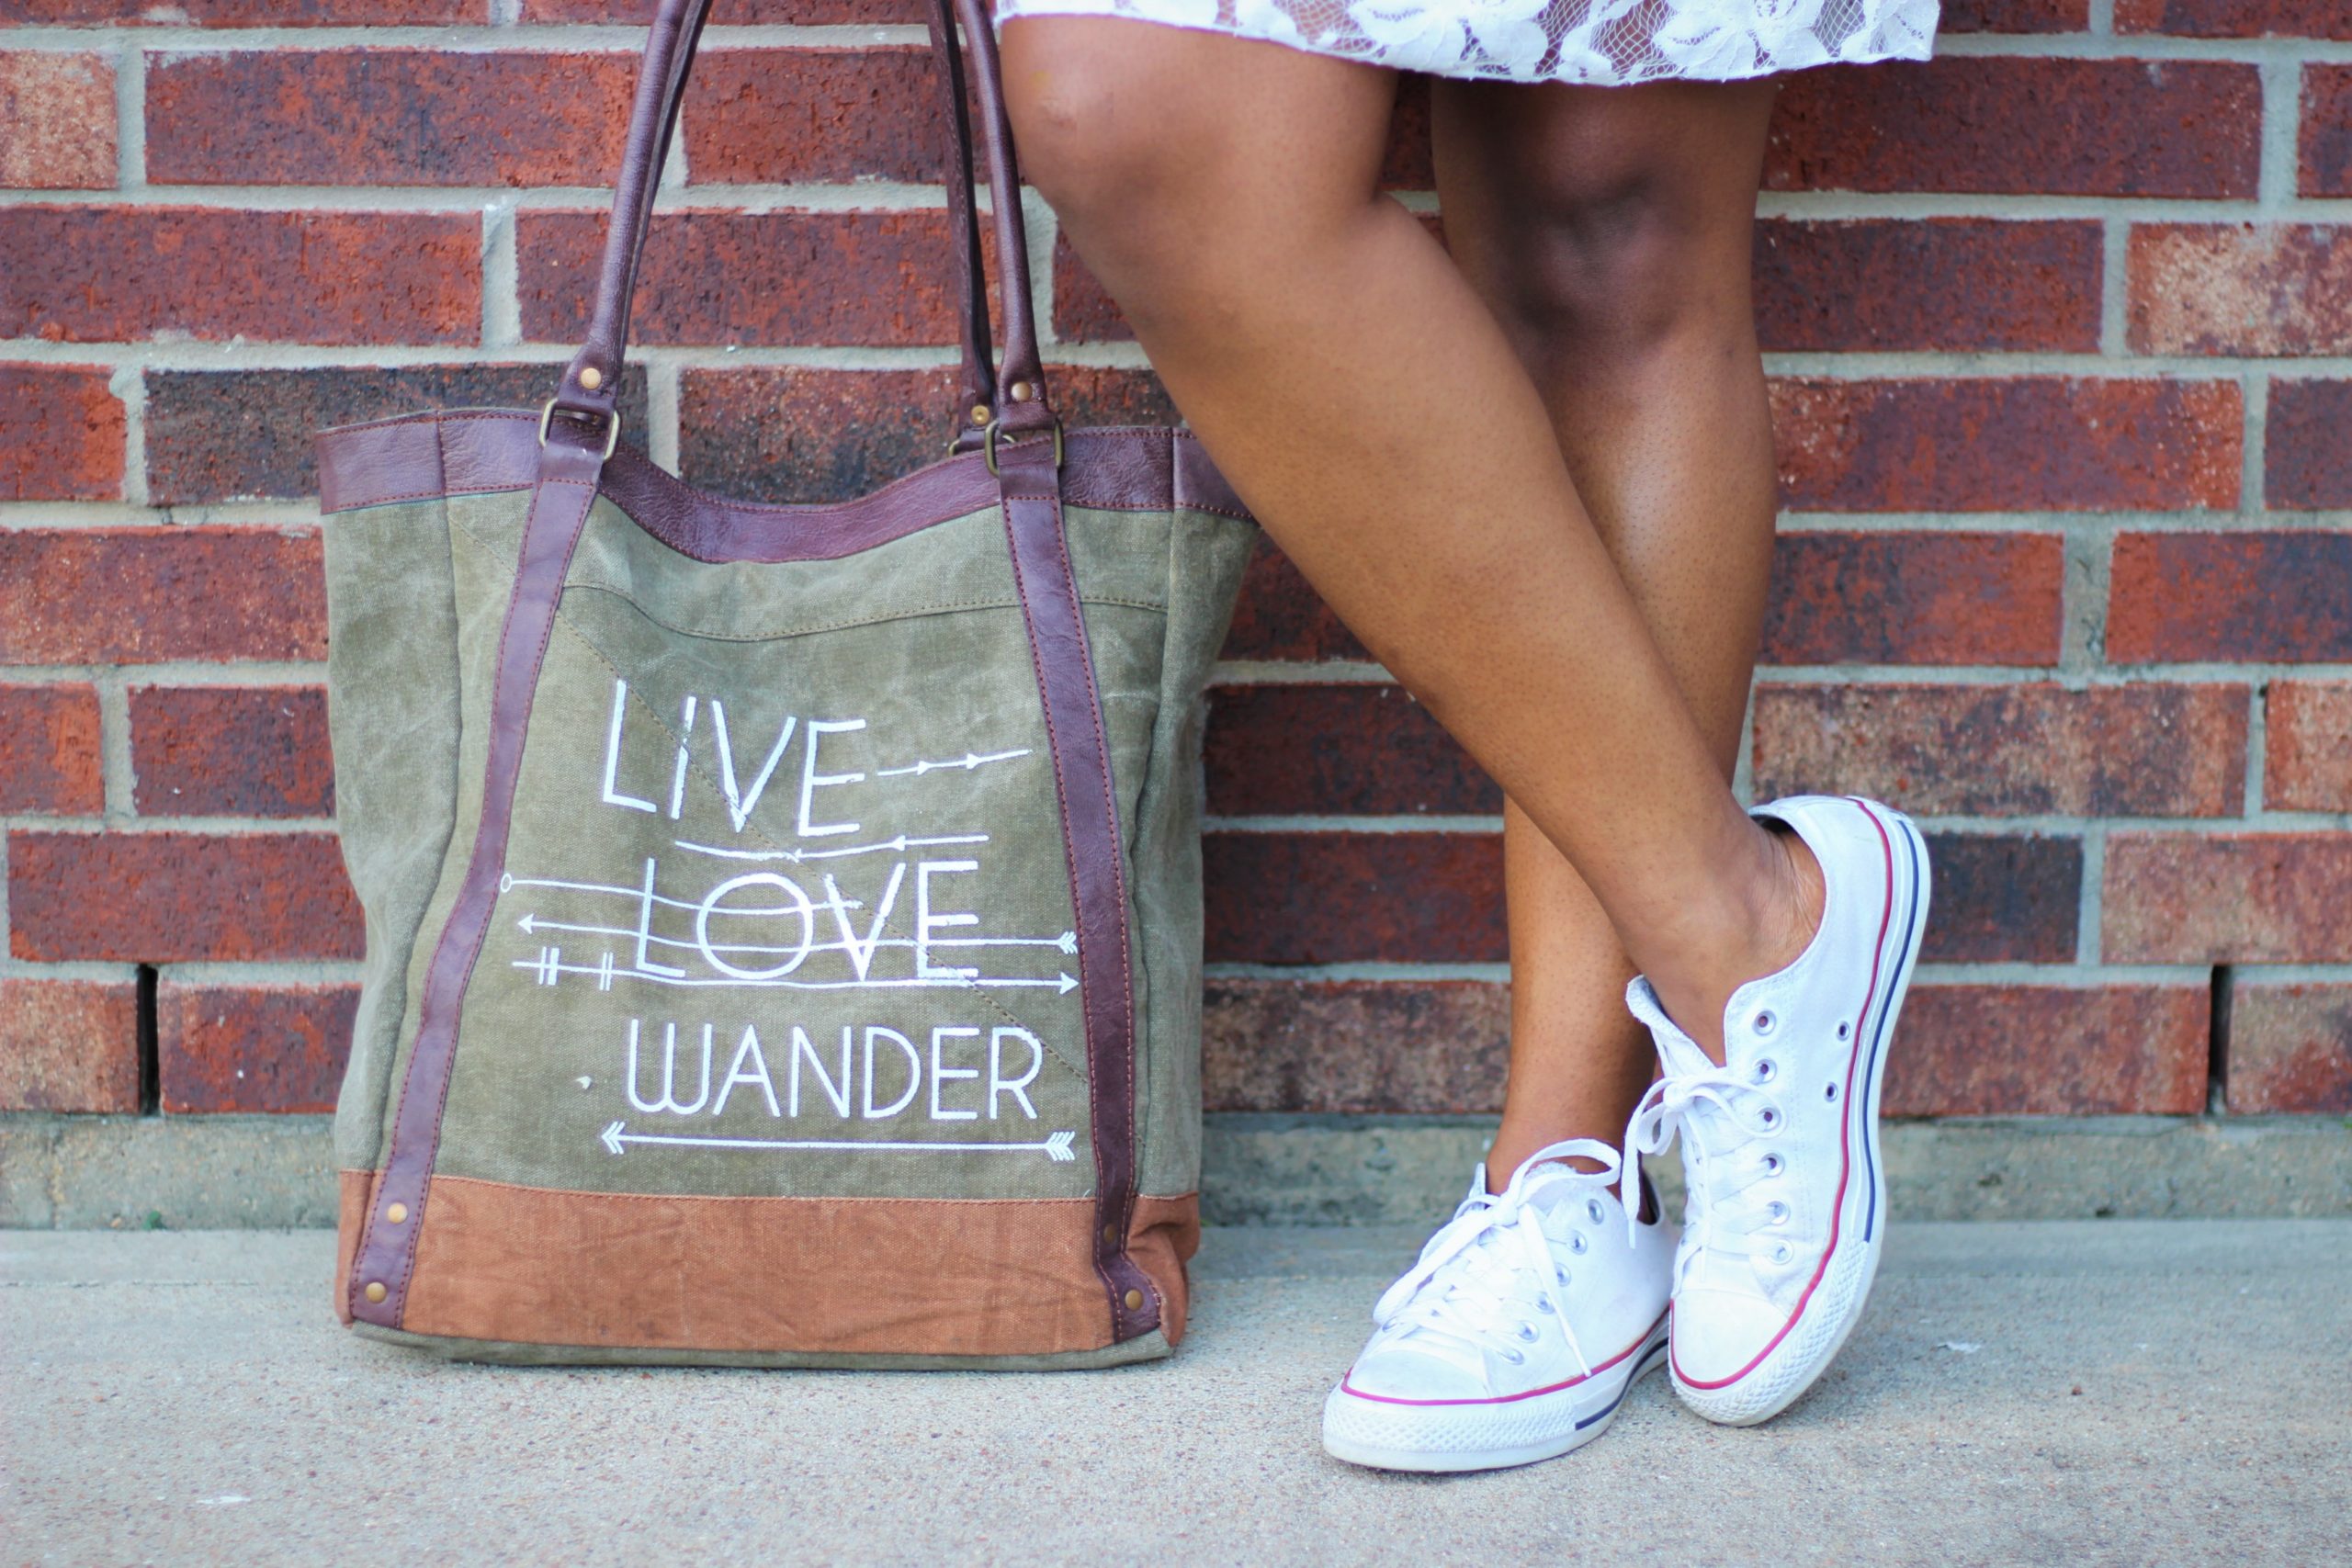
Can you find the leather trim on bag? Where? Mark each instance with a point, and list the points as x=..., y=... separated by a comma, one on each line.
x=929, y=1276
x=475, y=451
x=387, y=1252
x=1082, y=757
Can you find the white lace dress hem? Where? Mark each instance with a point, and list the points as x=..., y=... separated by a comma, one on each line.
x=1586, y=42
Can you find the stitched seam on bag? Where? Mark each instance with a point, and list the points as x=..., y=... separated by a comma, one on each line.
x=919, y=613
x=709, y=781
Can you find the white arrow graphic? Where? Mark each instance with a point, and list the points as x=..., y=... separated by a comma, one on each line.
x=899, y=845
x=1066, y=941
x=1056, y=1147
x=550, y=964
x=968, y=761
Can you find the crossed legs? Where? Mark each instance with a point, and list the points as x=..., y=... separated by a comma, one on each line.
x=1502, y=488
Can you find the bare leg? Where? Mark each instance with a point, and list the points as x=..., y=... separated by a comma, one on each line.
x=1608, y=231
x=1364, y=400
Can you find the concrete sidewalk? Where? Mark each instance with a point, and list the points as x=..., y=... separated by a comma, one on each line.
x=2066, y=1392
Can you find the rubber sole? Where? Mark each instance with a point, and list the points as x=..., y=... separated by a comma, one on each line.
x=1797, y=1362
x=1567, y=1420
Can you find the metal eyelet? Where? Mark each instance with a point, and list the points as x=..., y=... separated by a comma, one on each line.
x=1529, y=1332
x=1765, y=1071
x=1770, y=1120
x=1776, y=1212
x=1516, y=1358
x=1829, y=1093
x=1782, y=1253
x=1559, y=1275
x=1576, y=1243
x=1773, y=1164
x=1843, y=1029
x=1592, y=1210
x=1764, y=1022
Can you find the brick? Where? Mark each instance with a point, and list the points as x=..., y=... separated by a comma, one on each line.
x=69, y=1045
x=1926, y=283
x=250, y=13
x=391, y=116
x=60, y=433
x=2290, y=1047
x=230, y=751
x=794, y=432
x=830, y=114
x=2307, y=752
x=803, y=12
x=180, y=897
x=2014, y=16
x=1426, y=1046
x=1341, y=898
x=2027, y=443
x=2033, y=749
x=1915, y=598
x=2306, y=462
x=1278, y=750
x=2050, y=1051
x=56, y=121
x=863, y=278
x=119, y=273
x=2234, y=19
x=49, y=751
x=1999, y=898
x=2227, y=898
x=2279, y=595
x=143, y=594
x=1354, y=897
x=1083, y=310
x=2244, y=288
x=2323, y=153
x=217, y=436
x=2021, y=125
x=251, y=1048
x=1279, y=618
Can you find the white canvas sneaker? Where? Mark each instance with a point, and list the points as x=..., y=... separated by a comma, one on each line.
x=1786, y=1207
x=1517, y=1335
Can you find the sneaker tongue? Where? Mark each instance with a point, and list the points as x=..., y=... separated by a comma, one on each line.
x=1677, y=1050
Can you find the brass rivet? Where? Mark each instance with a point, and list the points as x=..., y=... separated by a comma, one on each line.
x=979, y=413
x=1134, y=1300
x=1022, y=391
x=374, y=1292
x=1111, y=1235
x=397, y=1213
x=592, y=378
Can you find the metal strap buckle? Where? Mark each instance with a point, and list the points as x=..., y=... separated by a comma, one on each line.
x=612, y=432
x=989, y=447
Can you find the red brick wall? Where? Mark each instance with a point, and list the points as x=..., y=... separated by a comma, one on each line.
x=2061, y=327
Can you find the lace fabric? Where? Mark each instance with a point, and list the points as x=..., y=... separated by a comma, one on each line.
x=1587, y=42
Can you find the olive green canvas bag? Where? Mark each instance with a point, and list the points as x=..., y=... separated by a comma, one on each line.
x=783, y=922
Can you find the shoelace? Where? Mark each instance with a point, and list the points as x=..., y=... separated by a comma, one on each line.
x=1476, y=1311
x=1714, y=1112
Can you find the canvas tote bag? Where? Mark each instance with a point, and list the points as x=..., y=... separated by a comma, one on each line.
x=783, y=922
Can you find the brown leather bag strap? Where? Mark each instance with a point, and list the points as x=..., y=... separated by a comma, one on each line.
x=1029, y=478
x=561, y=499
x=1015, y=389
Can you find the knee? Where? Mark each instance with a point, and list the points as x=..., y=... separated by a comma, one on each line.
x=1616, y=262
x=1108, y=166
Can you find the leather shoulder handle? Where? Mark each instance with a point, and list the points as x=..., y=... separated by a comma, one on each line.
x=1014, y=390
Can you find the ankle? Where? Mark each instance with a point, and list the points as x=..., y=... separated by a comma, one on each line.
x=1768, y=906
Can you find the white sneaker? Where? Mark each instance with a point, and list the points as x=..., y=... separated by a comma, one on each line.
x=1786, y=1208
x=1518, y=1333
